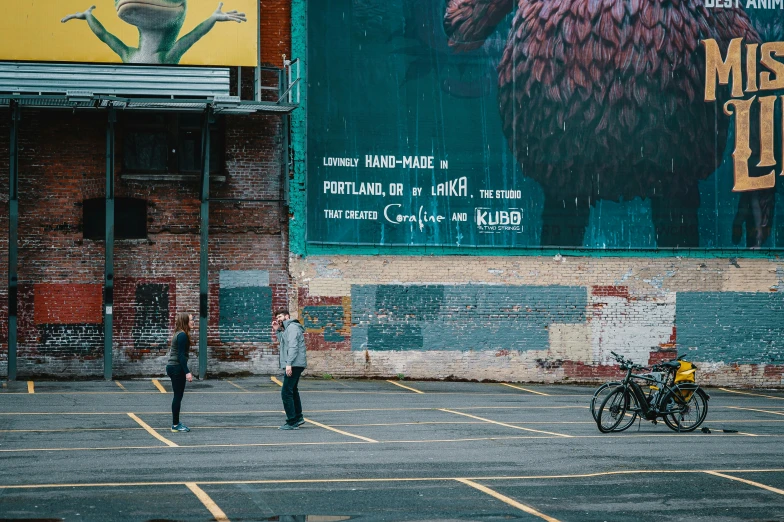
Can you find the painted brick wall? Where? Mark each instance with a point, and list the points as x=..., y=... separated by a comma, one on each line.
x=540, y=319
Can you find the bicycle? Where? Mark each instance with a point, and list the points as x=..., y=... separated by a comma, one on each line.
x=683, y=406
x=602, y=391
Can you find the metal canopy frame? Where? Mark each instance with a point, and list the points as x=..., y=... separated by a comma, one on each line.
x=287, y=94
x=218, y=104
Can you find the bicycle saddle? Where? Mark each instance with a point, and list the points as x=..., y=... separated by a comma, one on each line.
x=671, y=364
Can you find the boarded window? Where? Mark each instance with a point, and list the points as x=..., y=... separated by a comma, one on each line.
x=168, y=144
x=130, y=218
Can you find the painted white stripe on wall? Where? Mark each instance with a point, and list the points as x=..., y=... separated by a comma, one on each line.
x=632, y=327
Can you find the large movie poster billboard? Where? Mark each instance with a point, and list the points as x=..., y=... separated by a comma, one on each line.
x=170, y=32
x=528, y=123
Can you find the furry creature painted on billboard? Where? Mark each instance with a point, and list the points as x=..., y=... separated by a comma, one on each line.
x=159, y=23
x=602, y=99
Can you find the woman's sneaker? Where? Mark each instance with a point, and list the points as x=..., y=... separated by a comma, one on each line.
x=180, y=427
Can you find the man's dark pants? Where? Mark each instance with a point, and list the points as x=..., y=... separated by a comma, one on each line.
x=290, y=395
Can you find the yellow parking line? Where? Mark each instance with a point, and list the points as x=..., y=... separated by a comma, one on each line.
x=275, y=380
x=406, y=387
x=755, y=409
x=320, y=392
x=191, y=446
x=30, y=387
x=152, y=432
x=524, y=389
x=387, y=479
x=752, y=394
x=118, y=383
x=749, y=482
x=330, y=428
x=237, y=386
x=507, y=500
x=158, y=385
x=504, y=424
x=648, y=436
x=217, y=513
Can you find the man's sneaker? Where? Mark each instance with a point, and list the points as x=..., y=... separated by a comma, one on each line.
x=180, y=427
x=288, y=427
x=299, y=423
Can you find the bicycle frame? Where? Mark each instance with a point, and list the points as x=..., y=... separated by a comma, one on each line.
x=649, y=410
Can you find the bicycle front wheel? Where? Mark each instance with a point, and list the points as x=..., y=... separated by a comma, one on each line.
x=613, y=410
x=599, y=395
x=686, y=409
x=632, y=410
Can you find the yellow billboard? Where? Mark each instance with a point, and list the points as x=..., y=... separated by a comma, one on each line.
x=186, y=32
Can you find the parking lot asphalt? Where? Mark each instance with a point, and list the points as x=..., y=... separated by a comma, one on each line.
x=377, y=450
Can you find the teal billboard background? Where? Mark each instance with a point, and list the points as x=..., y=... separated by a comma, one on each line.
x=423, y=133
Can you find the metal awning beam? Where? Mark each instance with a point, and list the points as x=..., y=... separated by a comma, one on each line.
x=218, y=105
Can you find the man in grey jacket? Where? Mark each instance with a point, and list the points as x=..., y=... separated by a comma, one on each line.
x=293, y=358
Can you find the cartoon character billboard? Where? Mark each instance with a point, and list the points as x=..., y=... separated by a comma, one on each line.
x=528, y=123
x=188, y=32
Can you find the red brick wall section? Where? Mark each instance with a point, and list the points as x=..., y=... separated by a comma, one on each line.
x=275, y=31
x=67, y=303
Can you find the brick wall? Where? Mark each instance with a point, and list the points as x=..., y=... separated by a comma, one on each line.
x=62, y=163
x=60, y=331
x=540, y=319
x=275, y=31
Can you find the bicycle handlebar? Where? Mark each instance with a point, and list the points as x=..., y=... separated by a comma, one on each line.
x=626, y=364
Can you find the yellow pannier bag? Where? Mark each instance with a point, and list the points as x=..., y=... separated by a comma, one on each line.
x=685, y=374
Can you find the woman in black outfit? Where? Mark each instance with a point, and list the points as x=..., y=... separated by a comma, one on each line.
x=177, y=367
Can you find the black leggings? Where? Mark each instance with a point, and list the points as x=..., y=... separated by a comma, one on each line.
x=178, y=388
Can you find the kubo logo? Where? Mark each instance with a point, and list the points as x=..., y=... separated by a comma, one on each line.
x=499, y=220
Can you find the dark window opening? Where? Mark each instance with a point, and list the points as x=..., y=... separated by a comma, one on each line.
x=168, y=144
x=130, y=218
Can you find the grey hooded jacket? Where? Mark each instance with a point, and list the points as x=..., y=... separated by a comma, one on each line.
x=292, y=344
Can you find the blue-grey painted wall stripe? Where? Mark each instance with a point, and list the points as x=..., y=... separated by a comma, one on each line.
x=731, y=327
x=330, y=318
x=461, y=317
x=243, y=278
x=245, y=314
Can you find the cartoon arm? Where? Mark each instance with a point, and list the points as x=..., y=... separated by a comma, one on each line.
x=187, y=41
x=114, y=43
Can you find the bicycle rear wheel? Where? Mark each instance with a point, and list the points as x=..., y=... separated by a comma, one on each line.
x=685, y=415
x=613, y=410
x=599, y=395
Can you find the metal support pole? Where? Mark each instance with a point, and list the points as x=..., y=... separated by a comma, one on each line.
x=204, y=244
x=13, y=230
x=285, y=165
x=108, y=281
x=257, y=76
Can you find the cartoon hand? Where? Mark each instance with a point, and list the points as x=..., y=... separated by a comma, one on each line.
x=231, y=16
x=80, y=16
